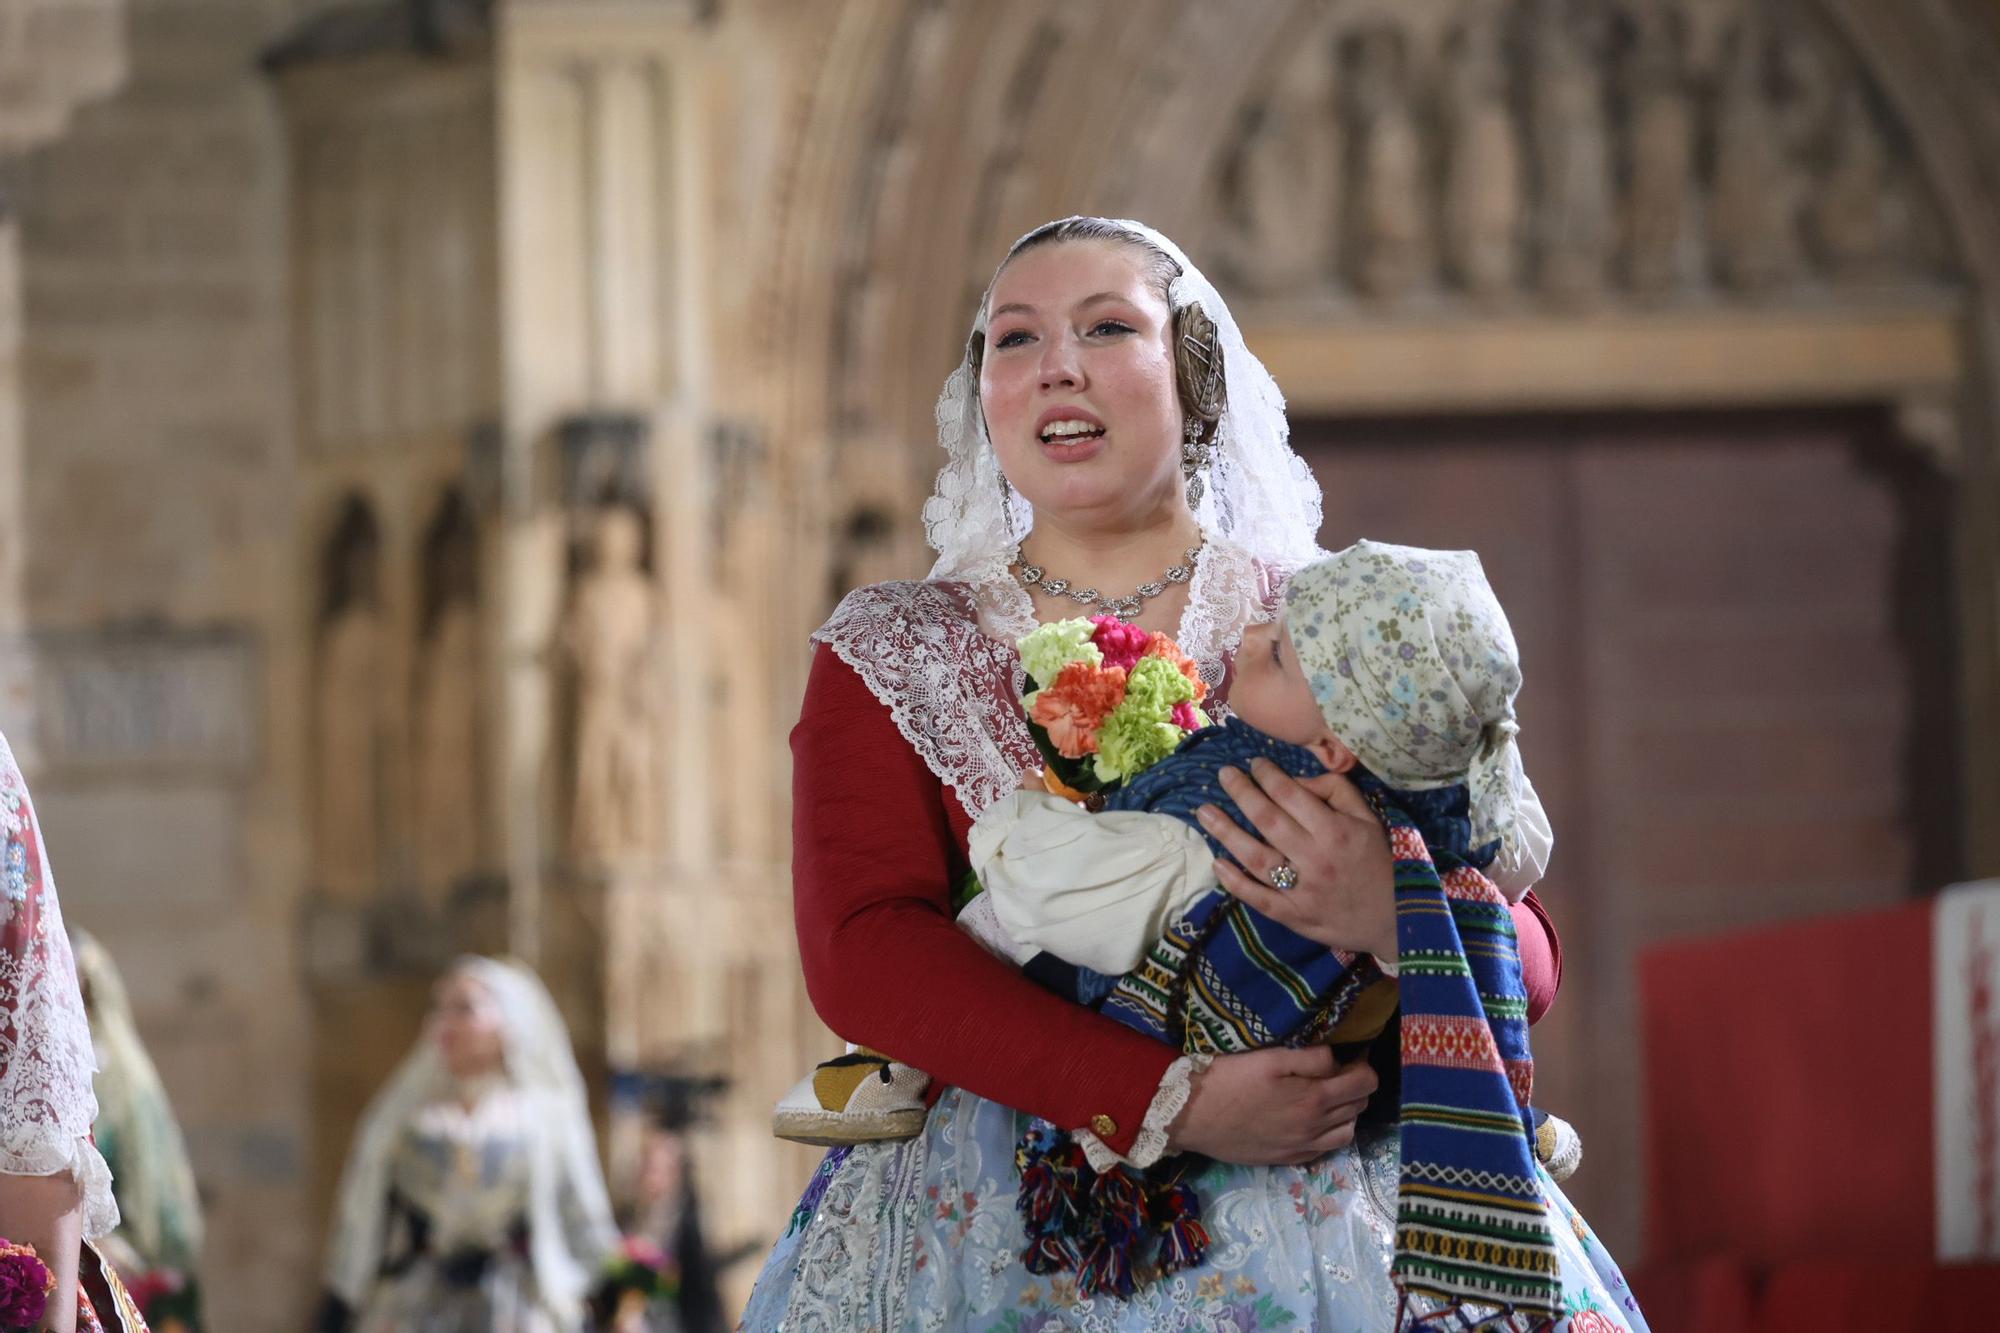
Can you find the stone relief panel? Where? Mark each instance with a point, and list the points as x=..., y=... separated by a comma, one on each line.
x=449, y=749
x=1559, y=153
x=143, y=701
x=350, y=725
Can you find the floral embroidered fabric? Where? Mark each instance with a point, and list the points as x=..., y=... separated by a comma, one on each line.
x=923, y=1235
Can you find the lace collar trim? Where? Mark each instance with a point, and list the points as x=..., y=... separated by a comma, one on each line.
x=940, y=655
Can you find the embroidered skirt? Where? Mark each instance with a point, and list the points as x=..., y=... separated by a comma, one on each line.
x=923, y=1234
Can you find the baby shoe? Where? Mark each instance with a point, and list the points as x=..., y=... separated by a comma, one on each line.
x=860, y=1097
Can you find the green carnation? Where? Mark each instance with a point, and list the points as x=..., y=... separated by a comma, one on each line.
x=1133, y=739
x=1054, y=646
x=1157, y=685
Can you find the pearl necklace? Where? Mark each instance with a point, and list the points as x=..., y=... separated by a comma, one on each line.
x=1126, y=607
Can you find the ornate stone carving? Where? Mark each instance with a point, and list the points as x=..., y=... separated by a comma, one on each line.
x=609, y=638
x=1660, y=145
x=1392, y=211
x=1572, y=150
x=1483, y=189
x=349, y=726
x=1849, y=221
x=1282, y=181
x=449, y=659
x=1755, y=204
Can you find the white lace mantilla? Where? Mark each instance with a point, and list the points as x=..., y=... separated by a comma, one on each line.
x=47, y=1104
x=940, y=654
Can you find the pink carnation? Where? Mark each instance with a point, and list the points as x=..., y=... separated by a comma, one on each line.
x=25, y=1286
x=1121, y=644
x=1184, y=717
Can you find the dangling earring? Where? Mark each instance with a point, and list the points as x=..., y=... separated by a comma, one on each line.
x=1006, y=505
x=1194, y=461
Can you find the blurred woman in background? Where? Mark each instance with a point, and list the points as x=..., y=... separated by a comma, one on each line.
x=157, y=1247
x=473, y=1201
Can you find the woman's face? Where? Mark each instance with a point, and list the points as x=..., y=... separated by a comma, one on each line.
x=465, y=1023
x=1078, y=384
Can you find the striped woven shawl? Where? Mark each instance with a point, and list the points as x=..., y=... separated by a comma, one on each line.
x=1472, y=1226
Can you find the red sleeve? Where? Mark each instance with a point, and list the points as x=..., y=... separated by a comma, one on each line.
x=1541, y=954
x=873, y=860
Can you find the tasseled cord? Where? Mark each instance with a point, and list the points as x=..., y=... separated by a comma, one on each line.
x=1114, y=1230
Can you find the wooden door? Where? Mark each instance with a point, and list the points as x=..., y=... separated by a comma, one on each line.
x=1737, y=695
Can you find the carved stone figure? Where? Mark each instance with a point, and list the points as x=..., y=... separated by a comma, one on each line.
x=1572, y=154
x=1281, y=182
x=448, y=700
x=1483, y=192
x=1848, y=217
x=1661, y=155
x=349, y=724
x=1391, y=211
x=610, y=641
x=1754, y=209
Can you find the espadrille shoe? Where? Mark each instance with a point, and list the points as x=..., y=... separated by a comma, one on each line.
x=1557, y=1145
x=860, y=1097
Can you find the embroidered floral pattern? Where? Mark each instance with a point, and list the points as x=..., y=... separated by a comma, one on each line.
x=924, y=1234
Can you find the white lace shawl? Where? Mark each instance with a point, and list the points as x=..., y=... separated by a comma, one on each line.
x=939, y=653
x=46, y=1061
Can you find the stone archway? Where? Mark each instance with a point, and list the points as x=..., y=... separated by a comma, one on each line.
x=930, y=137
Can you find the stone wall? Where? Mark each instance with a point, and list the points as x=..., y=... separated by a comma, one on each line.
x=853, y=168
x=157, y=479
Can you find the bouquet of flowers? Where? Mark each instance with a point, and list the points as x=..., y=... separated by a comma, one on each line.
x=1110, y=700
x=25, y=1287
x=167, y=1300
x=639, y=1274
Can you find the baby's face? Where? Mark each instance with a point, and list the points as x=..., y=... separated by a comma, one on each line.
x=1270, y=690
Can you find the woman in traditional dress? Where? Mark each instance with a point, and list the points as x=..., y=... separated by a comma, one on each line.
x=473, y=1201
x=55, y=1190
x=1100, y=431
x=159, y=1210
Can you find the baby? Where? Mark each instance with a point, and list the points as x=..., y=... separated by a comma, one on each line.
x=1392, y=664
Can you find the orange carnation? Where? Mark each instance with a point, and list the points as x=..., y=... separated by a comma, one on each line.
x=1075, y=706
x=1162, y=646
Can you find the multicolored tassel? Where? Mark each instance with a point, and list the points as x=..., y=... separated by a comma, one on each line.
x=1183, y=1238
x=1114, y=1229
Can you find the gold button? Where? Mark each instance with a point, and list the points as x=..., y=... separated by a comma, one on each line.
x=1103, y=1126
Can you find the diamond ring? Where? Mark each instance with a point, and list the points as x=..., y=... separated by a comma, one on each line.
x=1283, y=877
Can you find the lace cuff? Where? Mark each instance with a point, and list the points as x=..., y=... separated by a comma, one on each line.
x=1150, y=1145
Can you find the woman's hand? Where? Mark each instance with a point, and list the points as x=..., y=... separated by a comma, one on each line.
x=1346, y=894
x=1279, y=1107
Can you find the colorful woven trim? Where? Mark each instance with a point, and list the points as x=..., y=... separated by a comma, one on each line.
x=1225, y=978
x=1472, y=1226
